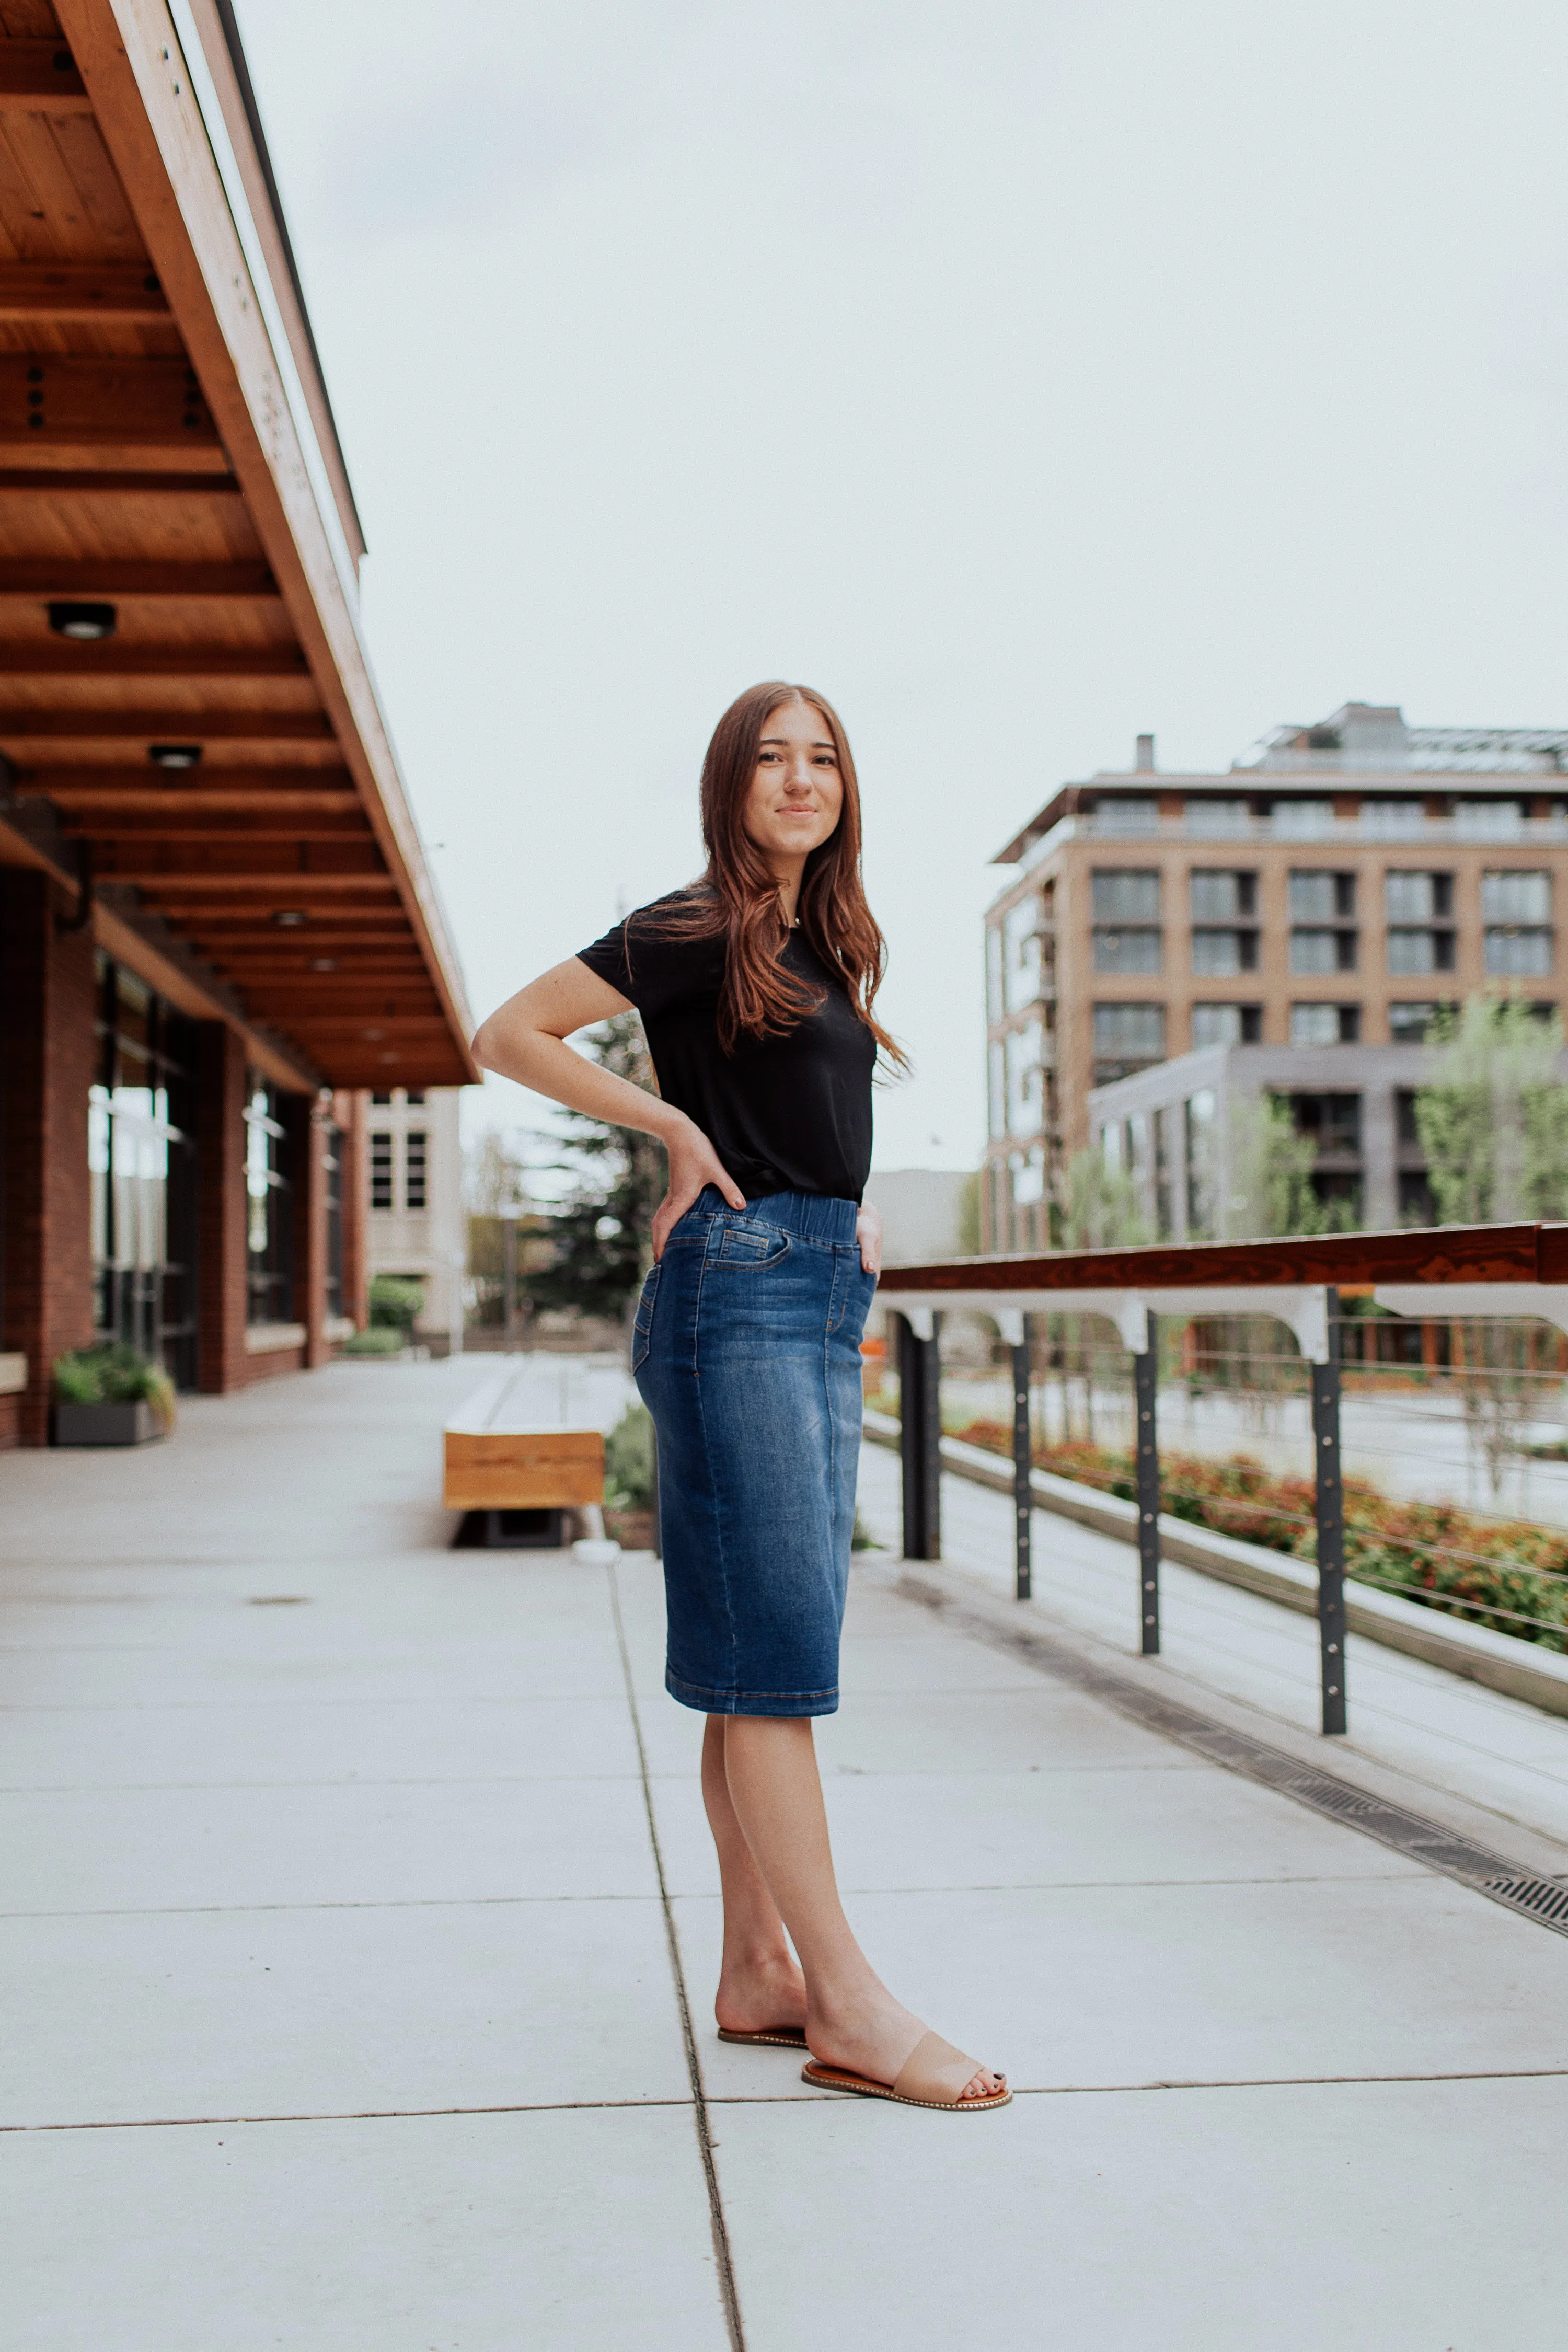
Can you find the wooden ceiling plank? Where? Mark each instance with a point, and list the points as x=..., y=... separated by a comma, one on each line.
x=141, y=482
x=72, y=291
x=52, y=658
x=35, y=576
x=22, y=726
x=44, y=398
x=40, y=78
x=153, y=798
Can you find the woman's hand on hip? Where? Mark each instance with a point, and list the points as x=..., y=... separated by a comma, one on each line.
x=693, y=1162
x=869, y=1233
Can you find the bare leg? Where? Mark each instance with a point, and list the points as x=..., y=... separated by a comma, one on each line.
x=852, y=2020
x=759, y=1984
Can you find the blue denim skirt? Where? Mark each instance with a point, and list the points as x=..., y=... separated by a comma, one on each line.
x=747, y=1353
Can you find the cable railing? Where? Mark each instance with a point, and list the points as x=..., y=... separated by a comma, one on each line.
x=1442, y=1347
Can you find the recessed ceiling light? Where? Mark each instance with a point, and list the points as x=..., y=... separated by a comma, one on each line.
x=86, y=623
x=174, y=755
x=288, y=919
x=323, y=963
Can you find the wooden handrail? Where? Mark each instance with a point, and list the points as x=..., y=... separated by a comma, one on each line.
x=1537, y=1252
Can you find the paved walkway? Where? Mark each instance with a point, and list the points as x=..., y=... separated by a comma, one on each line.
x=343, y=1954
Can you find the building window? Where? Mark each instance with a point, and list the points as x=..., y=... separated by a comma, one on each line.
x=1199, y=1120
x=381, y=1170
x=1218, y=816
x=141, y=1173
x=994, y=1005
x=1333, y=1123
x=1408, y=1023
x=1025, y=1050
x=1423, y=899
x=1126, y=1037
x=1325, y=1025
x=1304, y=820
x=1406, y=815
x=1227, y=1025
x=1126, y=919
x=269, y=1221
x=1021, y=955
x=382, y=1102
x=1323, y=920
x=1488, y=820
x=1516, y=907
x=1128, y=813
x=413, y=1168
x=415, y=1098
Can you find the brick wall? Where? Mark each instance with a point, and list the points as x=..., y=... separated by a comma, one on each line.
x=46, y=1069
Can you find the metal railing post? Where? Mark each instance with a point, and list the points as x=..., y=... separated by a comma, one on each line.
x=1023, y=1465
x=1330, y=1515
x=1145, y=1385
x=920, y=1439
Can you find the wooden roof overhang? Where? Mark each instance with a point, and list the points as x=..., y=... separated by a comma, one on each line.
x=167, y=447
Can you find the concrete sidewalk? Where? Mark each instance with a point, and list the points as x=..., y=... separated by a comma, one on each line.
x=341, y=1953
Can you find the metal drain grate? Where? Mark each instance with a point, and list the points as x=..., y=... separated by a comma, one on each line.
x=1544, y=1900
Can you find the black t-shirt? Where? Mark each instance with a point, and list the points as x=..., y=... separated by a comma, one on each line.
x=790, y=1115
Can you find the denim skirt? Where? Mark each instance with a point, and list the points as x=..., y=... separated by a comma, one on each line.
x=747, y=1353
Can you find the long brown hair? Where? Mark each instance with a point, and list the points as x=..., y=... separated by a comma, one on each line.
x=738, y=895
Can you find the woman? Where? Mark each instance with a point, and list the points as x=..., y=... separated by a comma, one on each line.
x=756, y=987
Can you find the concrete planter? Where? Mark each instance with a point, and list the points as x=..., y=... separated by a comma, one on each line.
x=106, y=1424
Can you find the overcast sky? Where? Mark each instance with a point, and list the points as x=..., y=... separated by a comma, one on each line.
x=1024, y=375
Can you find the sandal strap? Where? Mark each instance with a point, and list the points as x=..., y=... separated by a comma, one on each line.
x=936, y=2072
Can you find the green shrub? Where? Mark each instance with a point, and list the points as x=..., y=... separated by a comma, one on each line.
x=628, y=1462
x=381, y=1340
x=1495, y=1573
x=394, y=1302
x=115, y=1373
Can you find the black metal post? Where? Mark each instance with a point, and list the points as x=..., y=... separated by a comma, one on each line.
x=1023, y=1496
x=919, y=1440
x=1330, y=1524
x=1145, y=1385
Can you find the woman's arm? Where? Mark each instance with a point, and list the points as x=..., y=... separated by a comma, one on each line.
x=526, y=1040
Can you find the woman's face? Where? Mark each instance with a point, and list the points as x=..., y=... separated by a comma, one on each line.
x=796, y=793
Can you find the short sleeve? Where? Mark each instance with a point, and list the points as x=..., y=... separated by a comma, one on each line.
x=607, y=959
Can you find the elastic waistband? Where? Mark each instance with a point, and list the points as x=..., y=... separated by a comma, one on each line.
x=814, y=1217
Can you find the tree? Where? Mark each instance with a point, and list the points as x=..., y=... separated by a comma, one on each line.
x=1271, y=1188
x=1493, y=1115
x=600, y=1232
x=495, y=1181
x=1493, y=1123
x=1100, y=1205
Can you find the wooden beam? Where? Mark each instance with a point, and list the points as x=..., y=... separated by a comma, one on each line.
x=71, y=293
x=39, y=575
x=196, y=893
x=194, y=801
x=40, y=78
x=49, y=657
x=21, y=726
x=50, y=401
x=143, y=826
x=112, y=482
x=39, y=783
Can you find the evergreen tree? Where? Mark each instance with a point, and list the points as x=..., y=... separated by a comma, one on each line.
x=600, y=1232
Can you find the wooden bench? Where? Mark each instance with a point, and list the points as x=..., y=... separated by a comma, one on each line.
x=530, y=1442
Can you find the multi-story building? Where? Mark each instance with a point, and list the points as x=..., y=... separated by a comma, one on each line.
x=412, y=1162
x=1330, y=889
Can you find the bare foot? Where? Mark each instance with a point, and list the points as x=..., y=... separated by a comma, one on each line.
x=756, y=1994
x=874, y=2038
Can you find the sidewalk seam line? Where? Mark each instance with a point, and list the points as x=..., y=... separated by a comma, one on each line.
x=728, y=2291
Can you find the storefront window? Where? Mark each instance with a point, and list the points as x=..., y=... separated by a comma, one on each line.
x=269, y=1208
x=141, y=1168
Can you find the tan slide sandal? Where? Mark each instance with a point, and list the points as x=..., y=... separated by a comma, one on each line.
x=932, y=2076
x=779, y=2037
